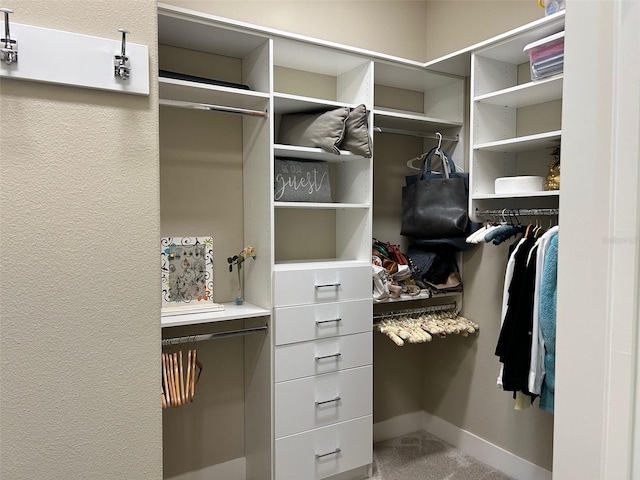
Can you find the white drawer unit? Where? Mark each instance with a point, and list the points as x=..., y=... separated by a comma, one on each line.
x=328, y=355
x=315, y=285
x=321, y=400
x=311, y=322
x=325, y=452
x=323, y=372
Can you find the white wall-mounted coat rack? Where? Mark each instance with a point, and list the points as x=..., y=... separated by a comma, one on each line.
x=65, y=58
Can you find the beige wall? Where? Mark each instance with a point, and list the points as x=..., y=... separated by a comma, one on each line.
x=360, y=23
x=455, y=24
x=422, y=29
x=79, y=330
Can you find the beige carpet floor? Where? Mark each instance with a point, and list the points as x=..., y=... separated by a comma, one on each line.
x=421, y=456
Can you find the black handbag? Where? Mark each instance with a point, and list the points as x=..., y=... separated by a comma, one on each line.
x=435, y=206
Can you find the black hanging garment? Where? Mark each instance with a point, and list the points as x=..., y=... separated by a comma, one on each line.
x=514, y=342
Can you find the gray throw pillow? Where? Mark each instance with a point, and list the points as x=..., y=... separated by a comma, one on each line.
x=324, y=130
x=296, y=181
x=356, y=133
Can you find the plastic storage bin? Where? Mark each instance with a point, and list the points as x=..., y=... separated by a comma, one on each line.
x=551, y=6
x=546, y=56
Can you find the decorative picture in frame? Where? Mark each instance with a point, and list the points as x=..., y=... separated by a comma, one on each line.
x=187, y=275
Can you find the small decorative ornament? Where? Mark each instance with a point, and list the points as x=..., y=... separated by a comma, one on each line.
x=552, y=181
x=246, y=253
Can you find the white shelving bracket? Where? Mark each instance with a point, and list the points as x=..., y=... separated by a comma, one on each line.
x=66, y=58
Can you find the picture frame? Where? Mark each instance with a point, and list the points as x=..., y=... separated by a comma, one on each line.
x=187, y=275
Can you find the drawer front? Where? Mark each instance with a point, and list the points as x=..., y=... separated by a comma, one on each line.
x=313, y=455
x=299, y=360
x=313, y=402
x=311, y=322
x=301, y=287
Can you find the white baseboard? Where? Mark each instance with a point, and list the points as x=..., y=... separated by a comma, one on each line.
x=397, y=426
x=469, y=443
x=232, y=470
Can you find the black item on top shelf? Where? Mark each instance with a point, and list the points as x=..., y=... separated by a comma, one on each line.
x=208, y=81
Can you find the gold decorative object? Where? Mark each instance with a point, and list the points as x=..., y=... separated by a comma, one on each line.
x=552, y=181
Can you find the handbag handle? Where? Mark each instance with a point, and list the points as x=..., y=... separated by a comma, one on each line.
x=448, y=167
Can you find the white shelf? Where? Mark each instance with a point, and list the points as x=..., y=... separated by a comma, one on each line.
x=410, y=77
x=411, y=121
x=193, y=30
x=310, y=264
x=485, y=196
x=321, y=206
x=531, y=93
x=522, y=144
x=310, y=153
x=423, y=295
x=510, y=50
x=231, y=312
x=184, y=91
x=286, y=103
x=317, y=56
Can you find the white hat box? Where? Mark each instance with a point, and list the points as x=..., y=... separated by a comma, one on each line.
x=522, y=184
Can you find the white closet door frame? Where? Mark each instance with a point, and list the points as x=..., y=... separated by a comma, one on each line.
x=597, y=399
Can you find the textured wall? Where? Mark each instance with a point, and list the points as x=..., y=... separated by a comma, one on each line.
x=452, y=25
x=79, y=222
x=363, y=24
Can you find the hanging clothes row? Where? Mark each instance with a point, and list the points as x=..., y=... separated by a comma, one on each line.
x=421, y=324
x=526, y=344
x=508, y=225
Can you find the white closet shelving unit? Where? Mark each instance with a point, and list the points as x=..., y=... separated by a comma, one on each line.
x=248, y=56
x=323, y=354
x=515, y=122
x=308, y=390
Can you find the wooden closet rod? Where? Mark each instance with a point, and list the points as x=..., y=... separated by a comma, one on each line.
x=216, y=108
x=211, y=336
x=411, y=133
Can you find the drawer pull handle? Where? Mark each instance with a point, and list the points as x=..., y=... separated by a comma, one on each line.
x=320, y=455
x=320, y=322
x=327, y=285
x=337, y=399
x=336, y=355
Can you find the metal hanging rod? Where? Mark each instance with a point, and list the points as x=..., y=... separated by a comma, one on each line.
x=215, y=108
x=211, y=336
x=525, y=212
x=411, y=133
x=411, y=311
